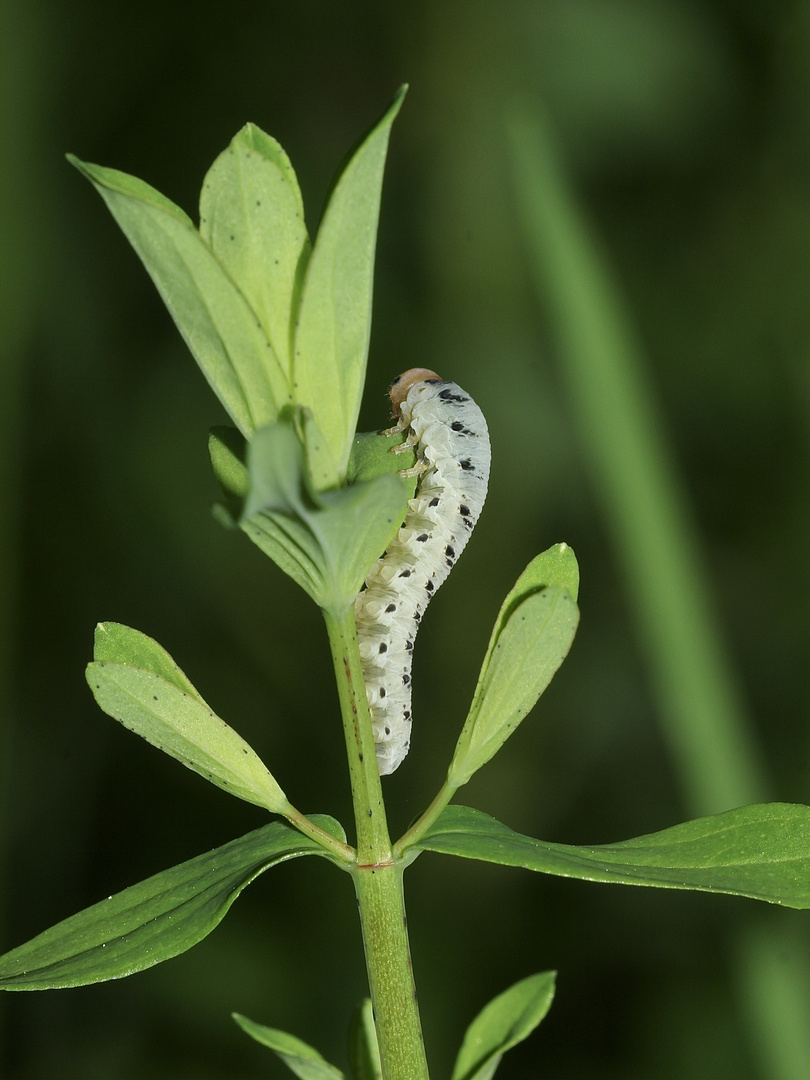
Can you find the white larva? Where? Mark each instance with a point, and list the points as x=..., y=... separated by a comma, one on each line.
x=449, y=435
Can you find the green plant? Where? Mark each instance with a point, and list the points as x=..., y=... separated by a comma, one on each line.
x=280, y=330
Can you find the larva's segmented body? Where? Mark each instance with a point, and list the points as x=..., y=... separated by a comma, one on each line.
x=449, y=435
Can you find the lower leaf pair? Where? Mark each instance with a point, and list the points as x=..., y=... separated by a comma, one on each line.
x=507, y=1020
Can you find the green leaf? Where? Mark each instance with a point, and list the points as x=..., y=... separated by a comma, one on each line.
x=334, y=319
x=143, y=688
x=531, y=638
x=214, y=318
x=114, y=643
x=364, y=1050
x=371, y=457
x=252, y=218
x=298, y=1056
x=156, y=919
x=327, y=541
x=507, y=1020
x=762, y=852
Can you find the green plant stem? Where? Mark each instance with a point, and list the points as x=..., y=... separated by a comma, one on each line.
x=390, y=974
x=377, y=877
x=343, y=853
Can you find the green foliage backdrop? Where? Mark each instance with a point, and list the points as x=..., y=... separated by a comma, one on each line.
x=684, y=131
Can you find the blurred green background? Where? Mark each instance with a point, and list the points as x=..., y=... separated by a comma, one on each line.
x=683, y=130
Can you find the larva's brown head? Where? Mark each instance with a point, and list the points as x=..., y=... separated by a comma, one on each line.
x=402, y=384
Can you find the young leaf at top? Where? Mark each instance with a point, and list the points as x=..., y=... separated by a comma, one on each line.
x=298, y=1056
x=531, y=637
x=156, y=919
x=334, y=319
x=364, y=1049
x=213, y=316
x=762, y=852
x=252, y=218
x=135, y=681
x=507, y=1020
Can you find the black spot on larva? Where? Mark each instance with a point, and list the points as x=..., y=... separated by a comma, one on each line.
x=409, y=645
x=434, y=380
x=450, y=552
x=448, y=395
x=423, y=537
x=429, y=586
x=464, y=510
x=434, y=502
x=383, y=647
x=405, y=573
x=388, y=731
x=406, y=679
x=457, y=426
x=417, y=615
x=407, y=714
x=391, y=607
x=466, y=464
x=382, y=691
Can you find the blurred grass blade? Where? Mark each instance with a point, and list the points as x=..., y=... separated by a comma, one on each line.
x=298, y=1056
x=506, y=1021
x=762, y=852
x=157, y=702
x=334, y=320
x=252, y=218
x=156, y=919
x=532, y=635
x=217, y=323
x=364, y=1050
x=613, y=403
x=704, y=719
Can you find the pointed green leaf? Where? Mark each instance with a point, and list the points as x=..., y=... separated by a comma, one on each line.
x=762, y=852
x=555, y=566
x=364, y=1050
x=298, y=1056
x=114, y=643
x=156, y=919
x=216, y=321
x=157, y=702
x=252, y=218
x=529, y=646
x=334, y=320
x=507, y=1020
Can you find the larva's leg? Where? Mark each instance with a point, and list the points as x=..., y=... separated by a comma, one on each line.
x=402, y=448
x=420, y=467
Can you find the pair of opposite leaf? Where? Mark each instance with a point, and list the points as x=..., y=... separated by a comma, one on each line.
x=135, y=681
